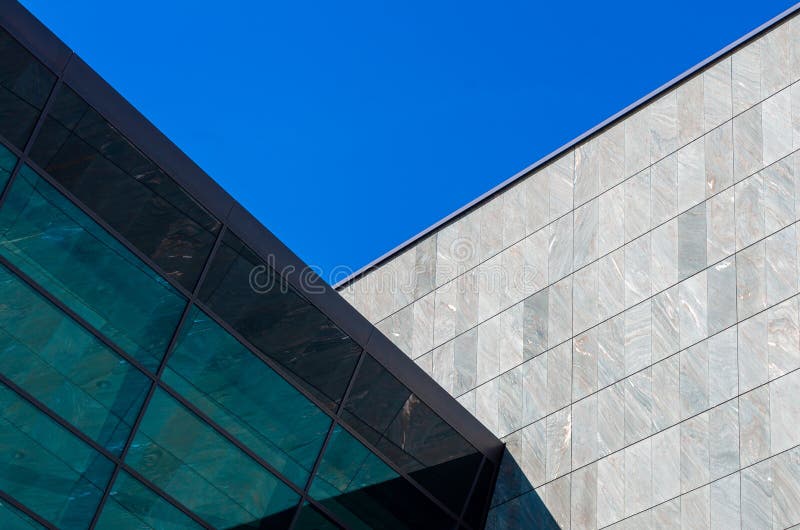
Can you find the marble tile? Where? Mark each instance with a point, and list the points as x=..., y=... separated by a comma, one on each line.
x=783, y=338
x=774, y=60
x=561, y=175
x=446, y=265
x=638, y=406
x=719, y=159
x=557, y=500
x=611, y=485
x=587, y=171
x=465, y=360
x=444, y=317
x=638, y=477
x=511, y=479
x=785, y=469
x=584, y=431
x=514, y=206
x=560, y=251
x=611, y=215
x=638, y=341
x=443, y=365
x=468, y=401
x=794, y=51
x=746, y=76
x=723, y=423
x=690, y=95
x=534, y=453
x=784, y=412
x=491, y=228
x=637, y=270
x=398, y=327
x=611, y=351
x=537, y=198
x=664, y=189
x=425, y=266
x=665, y=324
x=664, y=255
x=694, y=452
x=559, y=441
x=724, y=501
x=691, y=174
x=754, y=426
x=486, y=405
x=610, y=419
x=534, y=389
x=721, y=295
x=776, y=116
x=779, y=195
x=422, y=313
x=692, y=241
x=794, y=92
x=667, y=516
x=611, y=156
x=637, y=141
x=664, y=125
x=723, y=370
x=535, y=258
x=489, y=338
x=584, y=498
x=717, y=104
x=693, y=308
x=559, y=312
x=611, y=284
x=748, y=147
x=491, y=298
x=666, y=393
x=756, y=496
x=405, y=279
x=695, y=509
x=512, y=262
x=510, y=401
x=584, y=364
x=750, y=211
x=585, y=297
x=509, y=343
x=694, y=379
x=721, y=226
x=781, y=265
x=753, y=352
x=751, y=282
x=467, y=305
x=586, y=227
x=425, y=362
x=534, y=324
x=637, y=205
x=559, y=376
x=666, y=464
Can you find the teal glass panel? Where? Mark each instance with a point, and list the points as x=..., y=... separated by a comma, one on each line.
x=7, y=161
x=190, y=461
x=311, y=519
x=132, y=505
x=246, y=397
x=46, y=468
x=13, y=519
x=364, y=492
x=63, y=250
x=66, y=367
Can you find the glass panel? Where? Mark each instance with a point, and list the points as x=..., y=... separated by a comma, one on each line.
x=411, y=435
x=46, y=236
x=246, y=397
x=476, y=509
x=278, y=321
x=363, y=492
x=203, y=471
x=7, y=161
x=65, y=367
x=24, y=86
x=311, y=519
x=90, y=158
x=131, y=504
x=13, y=519
x=46, y=468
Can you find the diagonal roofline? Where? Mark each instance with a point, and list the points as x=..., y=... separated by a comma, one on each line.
x=594, y=131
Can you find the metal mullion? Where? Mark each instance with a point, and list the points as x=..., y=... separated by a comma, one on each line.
x=27, y=511
x=155, y=381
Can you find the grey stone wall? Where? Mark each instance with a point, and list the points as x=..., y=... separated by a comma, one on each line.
x=626, y=318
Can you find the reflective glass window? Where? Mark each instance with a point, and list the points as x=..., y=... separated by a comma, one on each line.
x=311, y=519
x=65, y=367
x=7, y=161
x=411, y=435
x=267, y=312
x=13, y=519
x=90, y=158
x=364, y=492
x=131, y=505
x=46, y=468
x=63, y=250
x=246, y=397
x=476, y=510
x=25, y=84
x=190, y=461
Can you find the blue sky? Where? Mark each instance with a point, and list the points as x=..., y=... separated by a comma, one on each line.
x=348, y=127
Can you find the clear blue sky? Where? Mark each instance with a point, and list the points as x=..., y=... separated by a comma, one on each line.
x=348, y=127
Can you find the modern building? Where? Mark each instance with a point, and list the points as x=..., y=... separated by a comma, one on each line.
x=166, y=362
x=624, y=313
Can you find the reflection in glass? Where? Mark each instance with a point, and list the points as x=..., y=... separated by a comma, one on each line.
x=190, y=461
x=25, y=84
x=64, y=251
x=7, y=161
x=311, y=519
x=246, y=397
x=13, y=519
x=46, y=468
x=90, y=158
x=278, y=321
x=131, y=504
x=65, y=367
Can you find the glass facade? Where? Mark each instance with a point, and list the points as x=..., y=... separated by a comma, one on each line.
x=157, y=372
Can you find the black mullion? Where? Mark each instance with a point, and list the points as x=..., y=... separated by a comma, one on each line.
x=154, y=383
x=27, y=511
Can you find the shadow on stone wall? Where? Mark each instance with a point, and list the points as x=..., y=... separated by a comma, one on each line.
x=515, y=505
